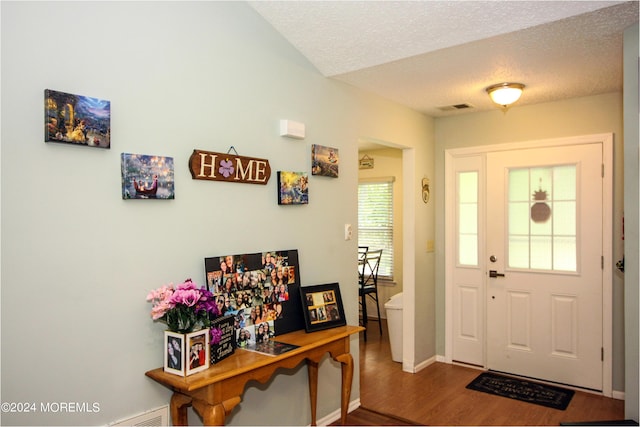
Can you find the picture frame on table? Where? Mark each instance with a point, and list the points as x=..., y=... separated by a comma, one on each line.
x=198, y=353
x=257, y=287
x=322, y=306
x=174, y=353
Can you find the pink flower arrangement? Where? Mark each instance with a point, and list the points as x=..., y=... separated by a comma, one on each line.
x=184, y=308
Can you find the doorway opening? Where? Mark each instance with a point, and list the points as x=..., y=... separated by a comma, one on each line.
x=391, y=160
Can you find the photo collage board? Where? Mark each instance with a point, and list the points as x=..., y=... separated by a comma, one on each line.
x=261, y=290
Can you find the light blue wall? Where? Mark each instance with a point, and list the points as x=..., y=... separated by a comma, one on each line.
x=78, y=261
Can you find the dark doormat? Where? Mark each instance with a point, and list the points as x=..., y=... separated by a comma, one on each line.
x=526, y=391
x=602, y=423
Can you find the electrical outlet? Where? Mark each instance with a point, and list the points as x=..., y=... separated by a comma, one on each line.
x=348, y=232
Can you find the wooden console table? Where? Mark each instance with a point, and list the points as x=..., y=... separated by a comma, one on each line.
x=215, y=392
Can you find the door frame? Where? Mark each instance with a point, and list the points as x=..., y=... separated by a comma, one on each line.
x=606, y=139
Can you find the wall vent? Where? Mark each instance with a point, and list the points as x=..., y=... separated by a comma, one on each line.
x=154, y=417
x=456, y=107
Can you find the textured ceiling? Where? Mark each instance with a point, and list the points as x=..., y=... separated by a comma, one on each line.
x=433, y=54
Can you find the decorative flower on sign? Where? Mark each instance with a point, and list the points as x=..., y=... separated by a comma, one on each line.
x=184, y=308
x=216, y=335
x=226, y=168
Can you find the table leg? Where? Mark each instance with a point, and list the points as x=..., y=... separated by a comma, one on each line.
x=179, y=405
x=214, y=415
x=312, y=368
x=347, y=377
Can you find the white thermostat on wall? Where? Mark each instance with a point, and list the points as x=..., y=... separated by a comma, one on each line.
x=292, y=129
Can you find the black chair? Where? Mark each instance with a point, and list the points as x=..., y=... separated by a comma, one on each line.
x=368, y=272
x=362, y=253
x=362, y=256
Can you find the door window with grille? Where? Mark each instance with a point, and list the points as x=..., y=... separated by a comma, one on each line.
x=542, y=218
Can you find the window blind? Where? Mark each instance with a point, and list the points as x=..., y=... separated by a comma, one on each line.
x=375, y=220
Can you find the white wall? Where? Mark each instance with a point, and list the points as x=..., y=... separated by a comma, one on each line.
x=78, y=261
x=573, y=117
x=632, y=214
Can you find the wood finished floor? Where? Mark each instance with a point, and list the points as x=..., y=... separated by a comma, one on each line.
x=367, y=417
x=437, y=395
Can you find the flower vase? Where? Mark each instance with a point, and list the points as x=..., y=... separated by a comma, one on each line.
x=186, y=354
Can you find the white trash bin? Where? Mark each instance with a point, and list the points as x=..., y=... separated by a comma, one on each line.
x=394, y=323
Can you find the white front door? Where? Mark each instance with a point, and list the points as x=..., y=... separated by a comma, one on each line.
x=544, y=266
x=537, y=214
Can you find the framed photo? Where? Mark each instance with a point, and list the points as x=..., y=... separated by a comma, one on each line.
x=257, y=288
x=322, y=307
x=147, y=177
x=174, y=349
x=293, y=188
x=324, y=161
x=198, y=351
x=77, y=119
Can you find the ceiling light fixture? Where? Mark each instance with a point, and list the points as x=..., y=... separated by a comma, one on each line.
x=505, y=94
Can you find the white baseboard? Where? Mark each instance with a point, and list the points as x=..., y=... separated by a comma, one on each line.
x=420, y=366
x=617, y=394
x=335, y=415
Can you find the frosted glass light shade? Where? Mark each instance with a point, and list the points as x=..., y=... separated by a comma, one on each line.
x=505, y=94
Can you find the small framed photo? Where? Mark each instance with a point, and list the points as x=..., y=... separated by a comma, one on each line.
x=322, y=307
x=198, y=351
x=174, y=353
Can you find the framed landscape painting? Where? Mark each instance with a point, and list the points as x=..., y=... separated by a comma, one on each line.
x=147, y=177
x=324, y=161
x=293, y=188
x=77, y=119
